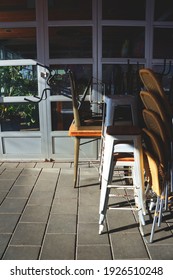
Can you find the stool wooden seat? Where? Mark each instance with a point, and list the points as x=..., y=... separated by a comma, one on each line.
x=85, y=131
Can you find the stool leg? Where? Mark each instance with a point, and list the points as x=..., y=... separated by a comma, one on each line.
x=76, y=158
x=139, y=178
x=107, y=172
x=104, y=197
x=155, y=219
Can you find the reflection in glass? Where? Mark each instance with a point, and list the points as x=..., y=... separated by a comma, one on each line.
x=60, y=82
x=123, y=9
x=18, y=80
x=121, y=79
x=123, y=42
x=17, y=10
x=165, y=74
x=18, y=43
x=62, y=115
x=19, y=116
x=70, y=42
x=163, y=43
x=163, y=10
x=69, y=10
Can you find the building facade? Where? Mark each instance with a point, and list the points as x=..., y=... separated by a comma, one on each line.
x=108, y=40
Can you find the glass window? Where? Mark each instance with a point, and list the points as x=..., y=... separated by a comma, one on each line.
x=70, y=42
x=60, y=83
x=165, y=74
x=62, y=115
x=61, y=112
x=123, y=9
x=18, y=80
x=163, y=10
x=17, y=10
x=19, y=116
x=163, y=43
x=18, y=43
x=121, y=78
x=123, y=42
x=69, y=10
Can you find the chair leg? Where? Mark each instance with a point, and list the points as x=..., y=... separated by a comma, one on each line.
x=76, y=159
x=104, y=197
x=155, y=219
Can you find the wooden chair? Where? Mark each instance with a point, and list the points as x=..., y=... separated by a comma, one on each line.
x=153, y=85
x=81, y=127
x=155, y=125
x=156, y=173
x=154, y=104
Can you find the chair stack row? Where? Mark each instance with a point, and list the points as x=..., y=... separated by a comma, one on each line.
x=157, y=135
x=144, y=151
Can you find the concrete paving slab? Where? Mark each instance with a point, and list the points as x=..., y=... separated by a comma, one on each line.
x=94, y=252
x=26, y=165
x=31, y=171
x=41, y=198
x=22, y=253
x=4, y=239
x=88, y=214
x=88, y=235
x=25, y=180
x=58, y=247
x=35, y=214
x=13, y=205
x=6, y=184
x=62, y=223
x=128, y=246
x=44, y=165
x=8, y=222
x=20, y=191
x=11, y=174
x=28, y=234
x=45, y=185
x=62, y=165
x=160, y=252
x=121, y=220
x=65, y=205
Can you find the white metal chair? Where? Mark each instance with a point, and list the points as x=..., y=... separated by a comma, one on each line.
x=112, y=103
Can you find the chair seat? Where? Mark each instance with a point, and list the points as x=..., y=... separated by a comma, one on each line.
x=94, y=121
x=124, y=157
x=85, y=131
x=123, y=130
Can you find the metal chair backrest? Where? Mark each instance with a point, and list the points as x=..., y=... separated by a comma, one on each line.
x=152, y=84
x=152, y=103
x=81, y=107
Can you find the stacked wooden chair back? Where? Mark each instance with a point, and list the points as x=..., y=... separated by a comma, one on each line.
x=157, y=117
x=156, y=174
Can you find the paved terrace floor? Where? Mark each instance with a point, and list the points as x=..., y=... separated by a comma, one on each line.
x=43, y=217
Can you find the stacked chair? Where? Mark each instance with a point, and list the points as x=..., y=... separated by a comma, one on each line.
x=157, y=116
x=84, y=125
x=156, y=173
x=121, y=147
